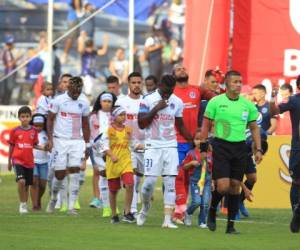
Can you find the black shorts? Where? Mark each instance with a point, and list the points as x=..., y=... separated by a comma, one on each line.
x=230, y=159
x=251, y=166
x=294, y=164
x=24, y=173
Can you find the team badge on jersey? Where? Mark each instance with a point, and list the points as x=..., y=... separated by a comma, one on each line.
x=32, y=136
x=172, y=105
x=20, y=137
x=80, y=105
x=245, y=115
x=192, y=94
x=264, y=110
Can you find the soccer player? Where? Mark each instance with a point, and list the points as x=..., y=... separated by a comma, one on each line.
x=151, y=83
x=116, y=140
x=159, y=112
x=22, y=140
x=231, y=115
x=269, y=122
x=67, y=126
x=131, y=104
x=62, y=86
x=292, y=105
x=113, y=86
x=191, y=97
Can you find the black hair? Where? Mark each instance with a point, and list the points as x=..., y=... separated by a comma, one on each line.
x=76, y=82
x=134, y=74
x=260, y=87
x=230, y=74
x=288, y=87
x=24, y=110
x=65, y=75
x=41, y=115
x=168, y=80
x=112, y=79
x=209, y=73
x=97, y=104
x=298, y=82
x=153, y=78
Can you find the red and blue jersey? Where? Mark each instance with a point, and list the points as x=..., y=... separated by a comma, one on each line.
x=23, y=140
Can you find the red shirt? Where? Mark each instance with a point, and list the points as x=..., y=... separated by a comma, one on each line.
x=191, y=97
x=23, y=141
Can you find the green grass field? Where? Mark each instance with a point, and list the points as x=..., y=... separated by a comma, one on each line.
x=266, y=229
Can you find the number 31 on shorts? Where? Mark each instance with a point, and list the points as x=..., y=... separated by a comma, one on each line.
x=148, y=163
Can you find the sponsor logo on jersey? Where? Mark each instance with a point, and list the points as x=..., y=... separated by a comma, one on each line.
x=192, y=95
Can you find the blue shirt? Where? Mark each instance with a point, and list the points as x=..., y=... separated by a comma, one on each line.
x=88, y=63
x=293, y=105
x=264, y=110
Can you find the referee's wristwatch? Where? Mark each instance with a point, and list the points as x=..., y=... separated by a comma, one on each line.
x=260, y=150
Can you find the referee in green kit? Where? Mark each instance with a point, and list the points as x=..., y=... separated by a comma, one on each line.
x=230, y=115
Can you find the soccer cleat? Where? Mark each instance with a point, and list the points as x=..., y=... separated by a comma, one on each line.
x=141, y=218
x=211, y=220
x=64, y=208
x=115, y=219
x=51, y=206
x=188, y=219
x=203, y=226
x=129, y=218
x=106, y=212
x=295, y=223
x=244, y=210
x=96, y=203
x=231, y=230
x=72, y=212
x=169, y=225
x=77, y=205
x=23, y=208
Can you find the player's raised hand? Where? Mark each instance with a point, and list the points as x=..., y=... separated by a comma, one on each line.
x=161, y=105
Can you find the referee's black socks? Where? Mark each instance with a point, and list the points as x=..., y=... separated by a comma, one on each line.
x=233, y=208
x=215, y=200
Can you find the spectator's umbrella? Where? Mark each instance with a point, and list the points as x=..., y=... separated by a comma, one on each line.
x=143, y=9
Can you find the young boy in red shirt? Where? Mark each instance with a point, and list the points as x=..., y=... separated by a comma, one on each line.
x=22, y=140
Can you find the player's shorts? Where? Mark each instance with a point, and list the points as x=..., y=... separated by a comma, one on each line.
x=251, y=166
x=138, y=161
x=294, y=164
x=115, y=183
x=183, y=149
x=67, y=153
x=97, y=160
x=230, y=159
x=41, y=170
x=161, y=162
x=24, y=173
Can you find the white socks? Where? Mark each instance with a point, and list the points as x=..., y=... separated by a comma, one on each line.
x=73, y=189
x=147, y=191
x=103, y=186
x=135, y=198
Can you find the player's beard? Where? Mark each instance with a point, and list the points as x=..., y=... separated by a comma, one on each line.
x=182, y=78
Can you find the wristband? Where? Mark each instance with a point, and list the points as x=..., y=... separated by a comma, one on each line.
x=88, y=145
x=260, y=150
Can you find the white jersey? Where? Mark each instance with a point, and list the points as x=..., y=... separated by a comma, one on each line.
x=161, y=133
x=42, y=106
x=41, y=156
x=132, y=107
x=69, y=113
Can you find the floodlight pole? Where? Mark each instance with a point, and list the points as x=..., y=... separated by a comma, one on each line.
x=131, y=35
x=50, y=39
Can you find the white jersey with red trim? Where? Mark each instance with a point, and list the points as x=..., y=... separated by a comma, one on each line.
x=132, y=109
x=69, y=113
x=161, y=133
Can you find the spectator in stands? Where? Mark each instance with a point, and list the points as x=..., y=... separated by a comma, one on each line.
x=9, y=62
x=153, y=50
x=177, y=18
x=89, y=26
x=89, y=54
x=118, y=66
x=74, y=14
x=34, y=67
